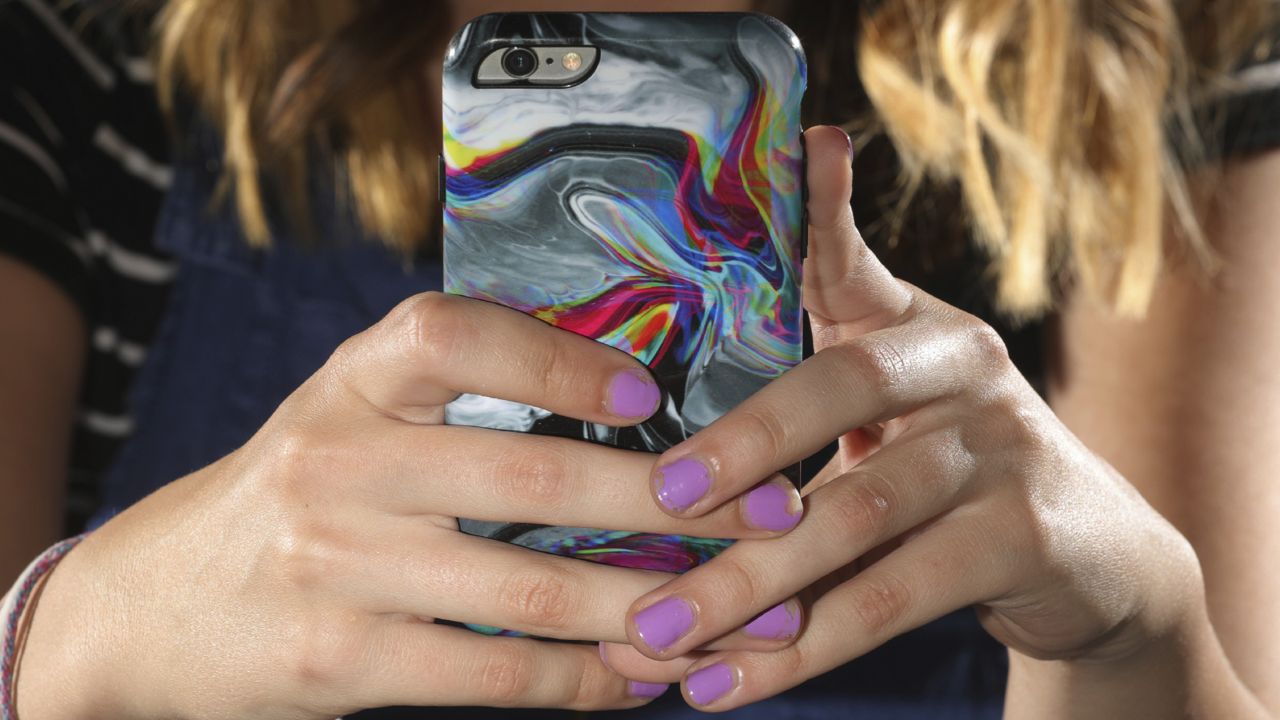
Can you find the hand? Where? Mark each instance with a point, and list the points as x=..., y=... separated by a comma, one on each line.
x=955, y=485
x=298, y=576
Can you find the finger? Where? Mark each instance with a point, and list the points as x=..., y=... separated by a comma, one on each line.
x=949, y=566
x=876, y=377
x=629, y=663
x=480, y=581
x=420, y=664
x=894, y=490
x=434, y=347
x=764, y=634
x=427, y=571
x=513, y=477
x=844, y=282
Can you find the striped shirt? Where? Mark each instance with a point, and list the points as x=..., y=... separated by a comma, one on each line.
x=83, y=168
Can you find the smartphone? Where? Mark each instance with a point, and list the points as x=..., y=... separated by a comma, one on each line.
x=637, y=179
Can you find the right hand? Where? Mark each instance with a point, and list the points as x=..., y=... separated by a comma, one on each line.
x=298, y=576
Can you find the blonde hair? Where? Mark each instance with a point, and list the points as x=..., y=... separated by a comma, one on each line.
x=290, y=83
x=1065, y=123
x=1061, y=121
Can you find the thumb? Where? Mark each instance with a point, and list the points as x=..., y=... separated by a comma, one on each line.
x=844, y=282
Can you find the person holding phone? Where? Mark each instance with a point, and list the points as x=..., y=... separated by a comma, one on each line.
x=280, y=529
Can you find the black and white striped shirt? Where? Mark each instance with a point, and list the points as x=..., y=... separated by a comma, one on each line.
x=83, y=168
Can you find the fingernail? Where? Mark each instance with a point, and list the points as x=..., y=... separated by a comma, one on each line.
x=646, y=690
x=633, y=394
x=710, y=683
x=682, y=483
x=663, y=622
x=848, y=140
x=777, y=623
x=772, y=507
x=603, y=659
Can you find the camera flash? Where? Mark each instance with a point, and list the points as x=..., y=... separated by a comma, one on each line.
x=572, y=61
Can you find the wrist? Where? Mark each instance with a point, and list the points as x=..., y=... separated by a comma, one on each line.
x=1121, y=685
x=59, y=662
x=1174, y=670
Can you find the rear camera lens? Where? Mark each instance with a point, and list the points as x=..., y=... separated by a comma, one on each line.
x=519, y=62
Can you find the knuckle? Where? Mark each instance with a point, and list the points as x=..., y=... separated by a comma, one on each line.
x=293, y=448
x=866, y=507
x=879, y=602
x=344, y=358
x=539, y=599
x=293, y=463
x=536, y=475
x=595, y=687
x=1007, y=421
x=944, y=464
x=796, y=658
x=432, y=326
x=306, y=549
x=878, y=364
x=330, y=654
x=336, y=380
x=547, y=365
x=1022, y=431
x=739, y=584
x=308, y=554
x=506, y=674
x=764, y=430
x=983, y=341
x=302, y=459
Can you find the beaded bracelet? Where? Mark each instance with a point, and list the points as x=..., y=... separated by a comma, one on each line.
x=15, y=603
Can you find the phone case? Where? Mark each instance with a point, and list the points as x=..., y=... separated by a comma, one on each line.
x=657, y=207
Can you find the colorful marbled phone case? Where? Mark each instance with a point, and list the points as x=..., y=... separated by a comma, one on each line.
x=656, y=207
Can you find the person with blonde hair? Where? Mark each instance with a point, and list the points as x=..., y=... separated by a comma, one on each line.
x=1043, y=373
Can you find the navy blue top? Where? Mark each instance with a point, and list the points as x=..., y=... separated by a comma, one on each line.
x=245, y=327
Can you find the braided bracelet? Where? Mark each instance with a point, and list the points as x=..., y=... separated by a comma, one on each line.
x=14, y=605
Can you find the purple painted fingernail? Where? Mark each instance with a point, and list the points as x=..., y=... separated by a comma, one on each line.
x=646, y=690
x=769, y=508
x=682, y=483
x=633, y=394
x=710, y=683
x=663, y=622
x=777, y=623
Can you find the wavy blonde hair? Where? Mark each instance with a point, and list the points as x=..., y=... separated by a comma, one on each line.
x=1065, y=124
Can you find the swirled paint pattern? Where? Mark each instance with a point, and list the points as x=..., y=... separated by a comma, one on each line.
x=656, y=207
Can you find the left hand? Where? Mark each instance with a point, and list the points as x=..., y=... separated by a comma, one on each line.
x=955, y=485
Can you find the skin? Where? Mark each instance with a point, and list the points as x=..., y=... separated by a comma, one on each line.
x=319, y=601
x=315, y=608
x=39, y=386
x=970, y=491
x=1183, y=404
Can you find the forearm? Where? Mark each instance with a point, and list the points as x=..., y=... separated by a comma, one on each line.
x=43, y=339
x=30, y=522
x=42, y=335
x=1184, y=673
